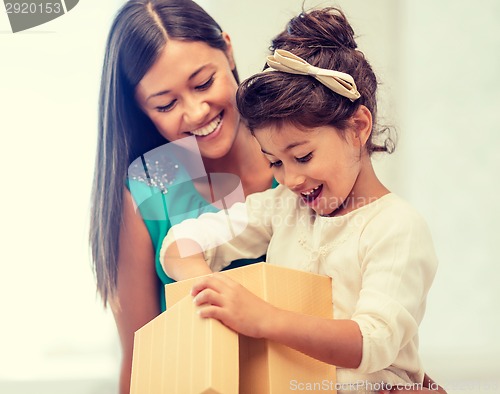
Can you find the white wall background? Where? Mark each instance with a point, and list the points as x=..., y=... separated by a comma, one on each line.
x=52, y=325
x=438, y=63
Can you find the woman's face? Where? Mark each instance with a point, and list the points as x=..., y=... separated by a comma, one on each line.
x=190, y=90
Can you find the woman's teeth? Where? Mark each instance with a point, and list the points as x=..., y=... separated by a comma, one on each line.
x=209, y=128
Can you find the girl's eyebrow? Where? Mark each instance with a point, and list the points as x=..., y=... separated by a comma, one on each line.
x=194, y=74
x=288, y=147
x=294, y=144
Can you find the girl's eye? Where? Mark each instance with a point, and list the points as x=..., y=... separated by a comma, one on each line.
x=167, y=107
x=304, y=159
x=275, y=163
x=206, y=85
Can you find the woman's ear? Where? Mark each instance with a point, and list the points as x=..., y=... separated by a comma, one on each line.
x=229, y=50
x=362, y=124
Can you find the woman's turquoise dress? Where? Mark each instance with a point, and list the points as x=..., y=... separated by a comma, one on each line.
x=165, y=195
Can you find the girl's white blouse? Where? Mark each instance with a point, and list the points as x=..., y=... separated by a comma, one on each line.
x=380, y=257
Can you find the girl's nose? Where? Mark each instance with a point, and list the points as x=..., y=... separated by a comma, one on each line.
x=294, y=180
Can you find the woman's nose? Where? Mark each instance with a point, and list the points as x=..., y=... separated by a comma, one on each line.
x=195, y=111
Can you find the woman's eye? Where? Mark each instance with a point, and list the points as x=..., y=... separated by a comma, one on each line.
x=206, y=85
x=275, y=163
x=304, y=159
x=167, y=107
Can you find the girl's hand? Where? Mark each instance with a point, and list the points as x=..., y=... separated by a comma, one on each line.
x=236, y=307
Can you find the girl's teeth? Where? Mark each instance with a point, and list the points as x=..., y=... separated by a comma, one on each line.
x=310, y=191
x=209, y=128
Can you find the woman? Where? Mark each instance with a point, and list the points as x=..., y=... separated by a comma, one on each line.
x=168, y=73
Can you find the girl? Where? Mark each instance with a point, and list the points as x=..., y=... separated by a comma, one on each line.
x=313, y=113
x=168, y=73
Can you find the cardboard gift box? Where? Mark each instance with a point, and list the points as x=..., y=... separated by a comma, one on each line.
x=179, y=352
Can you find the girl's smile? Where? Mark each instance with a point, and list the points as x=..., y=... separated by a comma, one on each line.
x=311, y=195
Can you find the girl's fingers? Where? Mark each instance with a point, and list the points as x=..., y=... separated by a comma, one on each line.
x=211, y=312
x=207, y=296
x=206, y=282
x=216, y=281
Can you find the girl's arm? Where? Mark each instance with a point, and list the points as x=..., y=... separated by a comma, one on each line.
x=209, y=243
x=337, y=342
x=398, y=264
x=137, y=293
x=397, y=267
x=180, y=268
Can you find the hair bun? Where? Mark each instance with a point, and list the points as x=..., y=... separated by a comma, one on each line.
x=327, y=27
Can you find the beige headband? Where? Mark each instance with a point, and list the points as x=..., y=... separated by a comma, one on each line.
x=341, y=83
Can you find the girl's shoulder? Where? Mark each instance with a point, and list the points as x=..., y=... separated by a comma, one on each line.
x=393, y=205
x=392, y=213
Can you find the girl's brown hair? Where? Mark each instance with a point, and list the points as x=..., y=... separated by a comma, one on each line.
x=324, y=38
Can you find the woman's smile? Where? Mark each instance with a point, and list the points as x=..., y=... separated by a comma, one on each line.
x=210, y=129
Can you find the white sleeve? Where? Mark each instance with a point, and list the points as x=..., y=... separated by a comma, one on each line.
x=242, y=231
x=398, y=265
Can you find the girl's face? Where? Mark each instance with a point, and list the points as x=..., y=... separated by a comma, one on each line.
x=190, y=90
x=318, y=164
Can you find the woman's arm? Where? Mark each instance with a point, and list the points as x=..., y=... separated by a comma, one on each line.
x=136, y=302
x=337, y=342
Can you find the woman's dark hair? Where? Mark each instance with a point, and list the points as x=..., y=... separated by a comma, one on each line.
x=323, y=38
x=139, y=32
